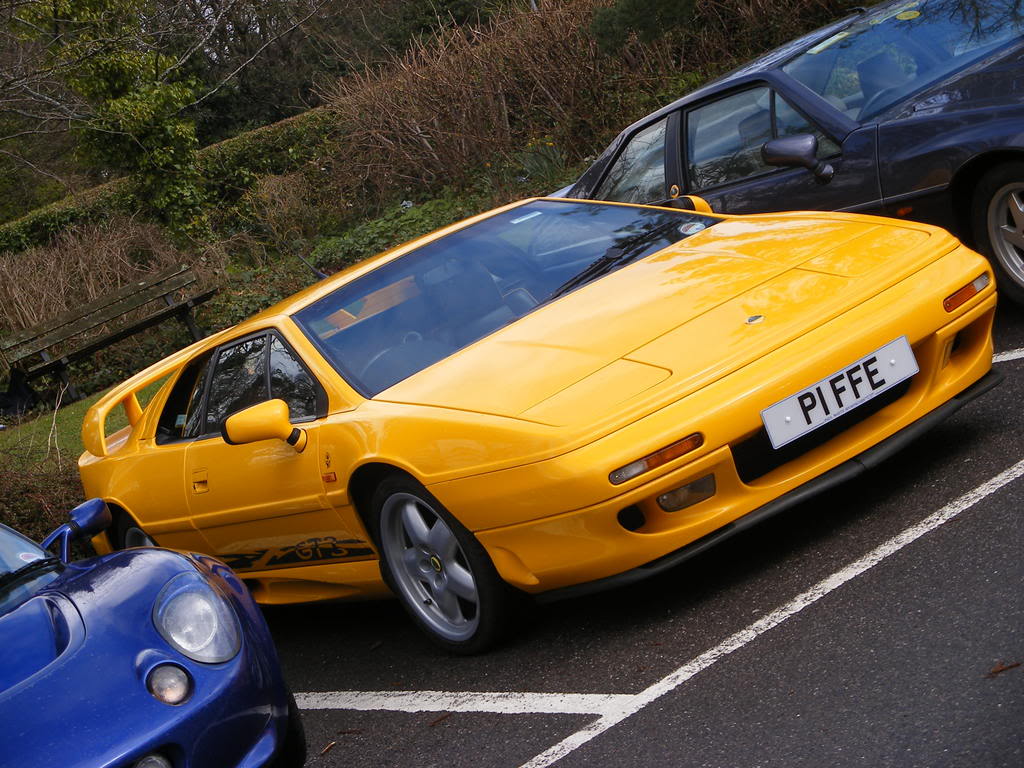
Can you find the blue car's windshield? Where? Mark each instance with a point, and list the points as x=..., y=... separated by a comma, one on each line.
x=431, y=302
x=891, y=53
x=16, y=552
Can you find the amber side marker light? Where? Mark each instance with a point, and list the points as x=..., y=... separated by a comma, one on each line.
x=656, y=459
x=969, y=291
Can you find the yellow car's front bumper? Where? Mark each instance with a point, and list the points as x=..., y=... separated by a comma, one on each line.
x=623, y=534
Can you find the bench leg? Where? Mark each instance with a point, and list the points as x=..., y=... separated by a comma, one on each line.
x=194, y=329
x=62, y=373
x=186, y=319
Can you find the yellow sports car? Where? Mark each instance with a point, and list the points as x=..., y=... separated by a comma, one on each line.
x=552, y=397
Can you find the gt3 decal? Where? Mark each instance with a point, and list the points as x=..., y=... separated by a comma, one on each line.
x=318, y=550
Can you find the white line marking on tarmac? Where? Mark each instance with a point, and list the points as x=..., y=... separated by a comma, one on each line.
x=773, y=619
x=445, y=701
x=1012, y=354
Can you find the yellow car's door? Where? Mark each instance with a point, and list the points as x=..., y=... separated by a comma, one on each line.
x=262, y=505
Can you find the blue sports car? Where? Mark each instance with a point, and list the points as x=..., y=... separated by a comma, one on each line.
x=144, y=658
x=912, y=108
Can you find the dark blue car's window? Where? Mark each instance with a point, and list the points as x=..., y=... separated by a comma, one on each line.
x=889, y=54
x=638, y=174
x=431, y=302
x=724, y=137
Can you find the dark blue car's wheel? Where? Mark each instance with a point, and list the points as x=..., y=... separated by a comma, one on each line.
x=998, y=223
x=437, y=568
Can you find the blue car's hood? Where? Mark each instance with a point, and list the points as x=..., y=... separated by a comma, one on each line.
x=95, y=614
x=35, y=634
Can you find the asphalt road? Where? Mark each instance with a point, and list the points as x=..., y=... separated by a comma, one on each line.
x=845, y=632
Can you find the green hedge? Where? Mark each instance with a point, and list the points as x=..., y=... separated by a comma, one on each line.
x=230, y=167
x=227, y=168
x=41, y=225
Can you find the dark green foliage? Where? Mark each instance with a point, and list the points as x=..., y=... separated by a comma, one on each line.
x=419, y=17
x=398, y=225
x=247, y=291
x=647, y=19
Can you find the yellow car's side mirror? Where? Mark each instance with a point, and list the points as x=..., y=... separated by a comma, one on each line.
x=263, y=421
x=700, y=205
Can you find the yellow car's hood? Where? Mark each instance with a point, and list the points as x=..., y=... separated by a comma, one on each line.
x=679, y=319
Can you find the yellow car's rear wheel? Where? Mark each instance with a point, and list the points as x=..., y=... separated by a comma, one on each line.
x=126, y=533
x=437, y=568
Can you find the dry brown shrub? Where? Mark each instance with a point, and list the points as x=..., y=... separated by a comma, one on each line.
x=472, y=95
x=81, y=265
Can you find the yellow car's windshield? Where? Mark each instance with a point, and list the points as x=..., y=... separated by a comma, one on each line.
x=433, y=301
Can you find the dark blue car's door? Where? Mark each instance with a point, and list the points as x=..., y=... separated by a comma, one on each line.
x=721, y=161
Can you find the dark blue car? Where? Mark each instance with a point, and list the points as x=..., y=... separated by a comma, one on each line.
x=144, y=658
x=910, y=109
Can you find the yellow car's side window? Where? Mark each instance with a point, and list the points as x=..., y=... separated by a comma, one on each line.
x=239, y=380
x=181, y=417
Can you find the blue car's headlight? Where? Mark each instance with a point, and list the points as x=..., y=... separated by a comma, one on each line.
x=195, y=620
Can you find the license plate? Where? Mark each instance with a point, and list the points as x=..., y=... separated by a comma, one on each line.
x=839, y=393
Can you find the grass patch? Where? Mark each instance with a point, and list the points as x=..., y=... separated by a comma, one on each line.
x=39, y=465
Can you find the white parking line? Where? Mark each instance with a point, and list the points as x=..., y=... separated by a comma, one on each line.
x=1013, y=354
x=444, y=701
x=776, y=617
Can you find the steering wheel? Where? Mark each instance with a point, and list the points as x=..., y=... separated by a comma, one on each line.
x=410, y=338
x=875, y=100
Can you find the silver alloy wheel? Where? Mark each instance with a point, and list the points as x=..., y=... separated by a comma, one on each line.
x=429, y=567
x=1006, y=229
x=136, y=537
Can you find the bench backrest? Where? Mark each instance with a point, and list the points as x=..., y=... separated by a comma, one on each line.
x=41, y=337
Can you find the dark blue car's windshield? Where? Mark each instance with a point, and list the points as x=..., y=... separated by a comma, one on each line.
x=17, y=551
x=891, y=53
x=433, y=301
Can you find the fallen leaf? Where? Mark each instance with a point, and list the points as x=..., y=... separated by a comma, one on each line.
x=1001, y=667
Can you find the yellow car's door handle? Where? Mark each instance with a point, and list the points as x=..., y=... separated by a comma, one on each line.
x=200, y=481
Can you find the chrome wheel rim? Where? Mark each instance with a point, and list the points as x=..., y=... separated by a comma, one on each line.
x=136, y=537
x=429, y=567
x=1006, y=229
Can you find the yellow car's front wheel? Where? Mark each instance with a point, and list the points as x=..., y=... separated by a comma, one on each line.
x=438, y=569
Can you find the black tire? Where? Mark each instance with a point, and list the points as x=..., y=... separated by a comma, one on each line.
x=126, y=533
x=441, y=574
x=998, y=230
x=292, y=753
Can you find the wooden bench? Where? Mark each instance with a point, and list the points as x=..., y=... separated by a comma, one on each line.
x=29, y=351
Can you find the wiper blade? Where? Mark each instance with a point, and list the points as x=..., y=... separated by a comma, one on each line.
x=617, y=255
x=42, y=564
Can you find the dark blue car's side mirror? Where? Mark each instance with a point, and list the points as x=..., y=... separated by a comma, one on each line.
x=90, y=517
x=86, y=520
x=800, y=151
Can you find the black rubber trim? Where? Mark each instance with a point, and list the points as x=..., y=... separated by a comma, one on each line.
x=848, y=470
